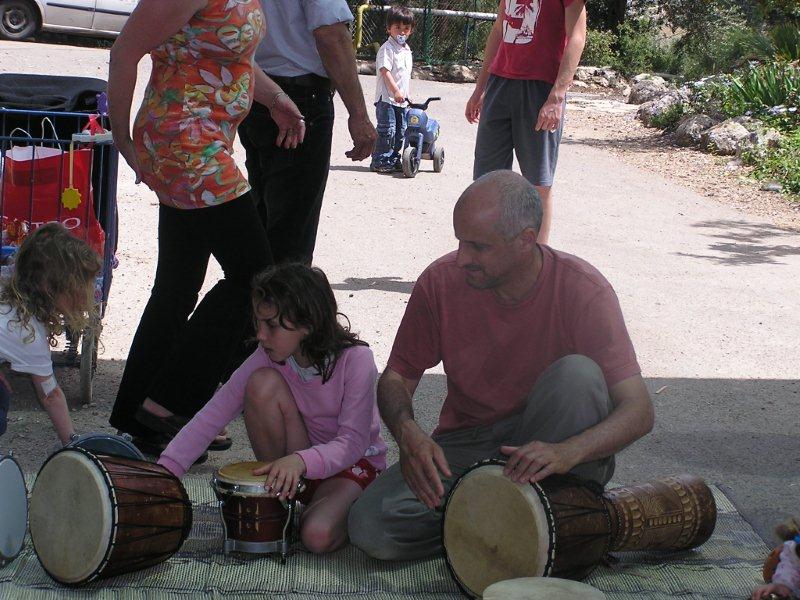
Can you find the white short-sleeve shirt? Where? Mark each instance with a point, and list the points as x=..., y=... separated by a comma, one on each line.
x=398, y=60
x=25, y=357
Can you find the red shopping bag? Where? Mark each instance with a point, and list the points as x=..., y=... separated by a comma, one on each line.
x=33, y=181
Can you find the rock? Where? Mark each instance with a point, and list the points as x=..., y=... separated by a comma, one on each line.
x=761, y=139
x=690, y=129
x=460, y=74
x=726, y=137
x=366, y=67
x=654, y=108
x=577, y=84
x=648, y=77
x=584, y=73
x=600, y=80
x=772, y=186
x=625, y=90
x=645, y=91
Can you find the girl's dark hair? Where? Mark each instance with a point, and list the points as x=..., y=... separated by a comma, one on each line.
x=302, y=297
x=400, y=15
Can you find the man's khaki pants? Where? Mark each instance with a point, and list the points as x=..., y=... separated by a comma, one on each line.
x=389, y=522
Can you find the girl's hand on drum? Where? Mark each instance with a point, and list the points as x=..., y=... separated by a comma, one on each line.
x=763, y=592
x=535, y=461
x=283, y=475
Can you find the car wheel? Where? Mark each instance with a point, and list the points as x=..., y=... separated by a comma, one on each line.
x=18, y=19
x=409, y=161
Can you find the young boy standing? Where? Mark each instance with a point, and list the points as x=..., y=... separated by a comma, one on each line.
x=393, y=69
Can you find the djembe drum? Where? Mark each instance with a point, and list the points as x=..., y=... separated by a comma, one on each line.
x=494, y=529
x=94, y=516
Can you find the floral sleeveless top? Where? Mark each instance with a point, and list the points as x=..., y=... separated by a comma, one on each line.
x=200, y=89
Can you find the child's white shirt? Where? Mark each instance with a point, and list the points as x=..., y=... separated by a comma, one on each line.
x=788, y=570
x=25, y=357
x=398, y=60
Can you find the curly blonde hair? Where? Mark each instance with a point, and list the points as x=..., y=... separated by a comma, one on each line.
x=53, y=282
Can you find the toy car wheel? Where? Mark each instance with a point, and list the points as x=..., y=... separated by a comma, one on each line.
x=410, y=161
x=18, y=19
x=438, y=159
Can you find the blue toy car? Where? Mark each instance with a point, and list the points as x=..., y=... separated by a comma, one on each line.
x=420, y=140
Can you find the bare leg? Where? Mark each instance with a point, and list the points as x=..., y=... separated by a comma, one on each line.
x=545, y=193
x=323, y=525
x=274, y=424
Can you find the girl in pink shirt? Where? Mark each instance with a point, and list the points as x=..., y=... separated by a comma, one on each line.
x=308, y=396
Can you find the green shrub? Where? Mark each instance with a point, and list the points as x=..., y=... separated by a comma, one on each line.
x=782, y=164
x=786, y=41
x=599, y=49
x=639, y=49
x=668, y=120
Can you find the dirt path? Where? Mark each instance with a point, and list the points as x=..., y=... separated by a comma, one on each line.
x=704, y=286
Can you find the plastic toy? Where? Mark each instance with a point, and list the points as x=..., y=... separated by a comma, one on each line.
x=420, y=140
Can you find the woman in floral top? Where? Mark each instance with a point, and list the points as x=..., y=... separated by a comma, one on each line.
x=202, y=85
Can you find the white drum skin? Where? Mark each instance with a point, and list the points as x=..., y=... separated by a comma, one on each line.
x=13, y=509
x=541, y=588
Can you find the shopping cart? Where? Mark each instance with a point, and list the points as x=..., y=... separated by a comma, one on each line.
x=65, y=133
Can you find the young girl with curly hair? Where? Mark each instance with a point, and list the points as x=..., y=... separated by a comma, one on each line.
x=51, y=287
x=308, y=396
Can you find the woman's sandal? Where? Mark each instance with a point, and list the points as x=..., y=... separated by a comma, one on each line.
x=155, y=445
x=170, y=426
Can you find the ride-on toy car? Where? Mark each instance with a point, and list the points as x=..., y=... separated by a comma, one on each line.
x=420, y=140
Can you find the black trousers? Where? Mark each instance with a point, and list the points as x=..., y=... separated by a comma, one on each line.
x=177, y=359
x=288, y=185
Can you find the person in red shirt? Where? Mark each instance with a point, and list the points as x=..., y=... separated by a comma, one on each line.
x=540, y=370
x=519, y=99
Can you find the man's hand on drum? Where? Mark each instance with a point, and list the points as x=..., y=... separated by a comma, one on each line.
x=535, y=461
x=421, y=460
x=283, y=475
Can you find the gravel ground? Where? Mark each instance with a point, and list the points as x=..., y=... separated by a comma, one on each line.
x=699, y=257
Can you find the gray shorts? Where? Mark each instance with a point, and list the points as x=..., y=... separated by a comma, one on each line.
x=508, y=117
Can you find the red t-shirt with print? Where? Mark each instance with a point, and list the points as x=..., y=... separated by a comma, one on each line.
x=492, y=352
x=534, y=37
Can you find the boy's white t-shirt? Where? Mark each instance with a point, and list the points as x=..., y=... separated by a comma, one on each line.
x=25, y=357
x=398, y=60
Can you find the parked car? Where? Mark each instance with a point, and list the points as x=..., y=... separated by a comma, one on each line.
x=20, y=19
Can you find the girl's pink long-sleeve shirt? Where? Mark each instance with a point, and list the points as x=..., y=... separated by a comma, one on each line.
x=341, y=416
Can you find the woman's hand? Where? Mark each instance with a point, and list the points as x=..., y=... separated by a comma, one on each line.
x=128, y=152
x=763, y=592
x=283, y=475
x=290, y=121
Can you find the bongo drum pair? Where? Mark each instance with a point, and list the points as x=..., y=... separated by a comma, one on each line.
x=494, y=529
x=94, y=516
x=254, y=521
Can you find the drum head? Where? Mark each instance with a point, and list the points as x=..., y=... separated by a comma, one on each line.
x=242, y=472
x=107, y=443
x=72, y=516
x=541, y=588
x=13, y=509
x=494, y=529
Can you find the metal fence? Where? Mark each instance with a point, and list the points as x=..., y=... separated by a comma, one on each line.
x=445, y=31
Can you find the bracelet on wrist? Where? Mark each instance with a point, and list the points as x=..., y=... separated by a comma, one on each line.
x=275, y=99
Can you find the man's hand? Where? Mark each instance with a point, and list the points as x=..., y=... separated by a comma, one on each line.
x=535, y=461
x=421, y=459
x=363, y=134
x=550, y=115
x=474, y=106
x=290, y=122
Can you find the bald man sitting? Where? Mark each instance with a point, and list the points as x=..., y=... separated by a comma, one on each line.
x=540, y=370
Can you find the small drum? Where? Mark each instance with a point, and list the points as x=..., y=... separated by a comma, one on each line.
x=494, y=529
x=254, y=522
x=541, y=588
x=13, y=509
x=96, y=516
x=106, y=443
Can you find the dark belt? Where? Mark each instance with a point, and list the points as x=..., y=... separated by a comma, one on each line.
x=309, y=80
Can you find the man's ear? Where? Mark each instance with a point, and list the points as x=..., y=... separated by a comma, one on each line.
x=529, y=237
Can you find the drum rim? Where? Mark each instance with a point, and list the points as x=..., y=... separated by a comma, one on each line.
x=117, y=438
x=548, y=515
x=10, y=456
x=114, y=514
x=229, y=486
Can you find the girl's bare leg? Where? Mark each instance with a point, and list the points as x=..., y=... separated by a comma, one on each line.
x=274, y=424
x=323, y=524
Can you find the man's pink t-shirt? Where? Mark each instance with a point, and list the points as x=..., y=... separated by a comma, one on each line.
x=340, y=415
x=533, y=42
x=493, y=353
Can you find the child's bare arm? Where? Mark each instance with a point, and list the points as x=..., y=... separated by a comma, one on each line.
x=55, y=403
x=392, y=85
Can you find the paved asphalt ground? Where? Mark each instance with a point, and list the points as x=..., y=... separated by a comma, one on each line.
x=710, y=295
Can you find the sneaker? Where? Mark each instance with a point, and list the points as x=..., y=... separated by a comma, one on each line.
x=384, y=169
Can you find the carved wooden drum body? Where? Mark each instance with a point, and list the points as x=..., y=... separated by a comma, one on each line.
x=494, y=529
x=254, y=522
x=94, y=516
